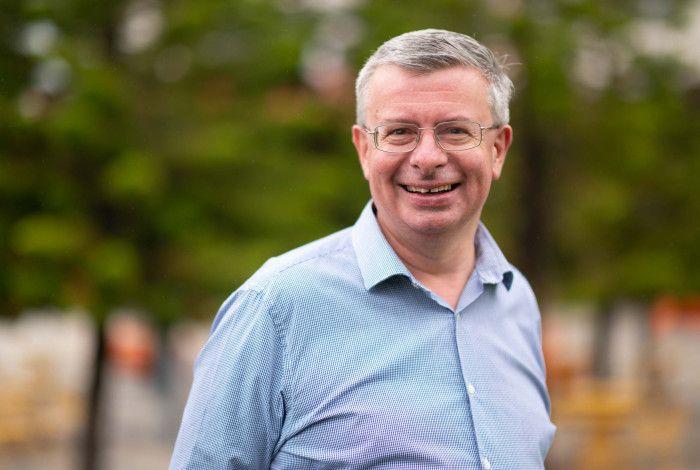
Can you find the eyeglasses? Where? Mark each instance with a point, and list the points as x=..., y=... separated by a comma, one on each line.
x=399, y=137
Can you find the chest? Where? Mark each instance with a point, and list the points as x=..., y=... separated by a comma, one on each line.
x=382, y=381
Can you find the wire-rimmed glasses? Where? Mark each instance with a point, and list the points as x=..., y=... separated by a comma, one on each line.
x=451, y=136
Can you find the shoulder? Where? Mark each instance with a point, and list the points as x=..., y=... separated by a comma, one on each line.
x=295, y=277
x=519, y=299
x=313, y=259
x=521, y=286
x=286, y=276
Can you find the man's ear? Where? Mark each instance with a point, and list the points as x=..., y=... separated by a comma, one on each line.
x=501, y=144
x=362, y=143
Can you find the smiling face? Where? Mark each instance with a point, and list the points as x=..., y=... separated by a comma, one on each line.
x=429, y=191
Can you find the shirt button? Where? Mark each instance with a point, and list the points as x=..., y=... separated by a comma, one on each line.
x=487, y=464
x=471, y=390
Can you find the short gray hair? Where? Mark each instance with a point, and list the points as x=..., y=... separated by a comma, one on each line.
x=429, y=50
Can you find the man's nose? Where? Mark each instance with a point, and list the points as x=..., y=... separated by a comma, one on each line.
x=428, y=155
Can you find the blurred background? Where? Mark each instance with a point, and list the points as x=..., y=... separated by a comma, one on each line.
x=154, y=153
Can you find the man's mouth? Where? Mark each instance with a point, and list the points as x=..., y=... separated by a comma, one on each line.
x=445, y=188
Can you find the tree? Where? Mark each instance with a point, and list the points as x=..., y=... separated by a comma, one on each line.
x=157, y=167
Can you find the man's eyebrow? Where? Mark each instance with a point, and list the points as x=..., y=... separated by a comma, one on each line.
x=393, y=120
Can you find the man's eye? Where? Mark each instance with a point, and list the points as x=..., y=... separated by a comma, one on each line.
x=456, y=131
x=400, y=131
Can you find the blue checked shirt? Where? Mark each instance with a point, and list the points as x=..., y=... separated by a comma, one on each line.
x=333, y=356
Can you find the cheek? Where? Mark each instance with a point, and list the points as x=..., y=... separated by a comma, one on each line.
x=475, y=168
x=482, y=166
x=381, y=171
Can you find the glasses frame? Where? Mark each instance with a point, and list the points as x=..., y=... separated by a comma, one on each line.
x=375, y=135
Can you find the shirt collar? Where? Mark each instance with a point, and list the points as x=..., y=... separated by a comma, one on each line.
x=378, y=261
x=492, y=267
x=375, y=257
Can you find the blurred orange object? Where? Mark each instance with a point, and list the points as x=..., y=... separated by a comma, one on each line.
x=669, y=313
x=131, y=343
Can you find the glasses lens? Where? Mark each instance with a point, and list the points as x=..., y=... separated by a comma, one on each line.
x=397, y=137
x=458, y=135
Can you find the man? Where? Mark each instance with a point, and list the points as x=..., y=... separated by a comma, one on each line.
x=406, y=341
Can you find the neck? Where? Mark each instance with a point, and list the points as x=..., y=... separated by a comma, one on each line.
x=441, y=262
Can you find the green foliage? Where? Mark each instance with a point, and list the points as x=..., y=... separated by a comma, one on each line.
x=162, y=173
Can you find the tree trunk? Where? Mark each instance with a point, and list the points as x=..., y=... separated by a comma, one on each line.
x=535, y=226
x=92, y=441
x=601, y=340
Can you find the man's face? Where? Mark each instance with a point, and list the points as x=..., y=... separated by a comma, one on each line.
x=398, y=95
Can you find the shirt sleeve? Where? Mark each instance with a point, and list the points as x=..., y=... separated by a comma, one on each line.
x=235, y=409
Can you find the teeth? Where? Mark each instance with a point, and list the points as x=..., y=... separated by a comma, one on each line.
x=439, y=189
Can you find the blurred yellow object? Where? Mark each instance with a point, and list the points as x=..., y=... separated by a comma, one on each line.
x=34, y=409
x=15, y=413
x=618, y=426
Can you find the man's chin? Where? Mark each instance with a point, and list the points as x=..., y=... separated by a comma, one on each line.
x=432, y=224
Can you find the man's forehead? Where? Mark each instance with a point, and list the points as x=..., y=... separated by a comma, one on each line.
x=389, y=79
x=407, y=73
x=396, y=91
